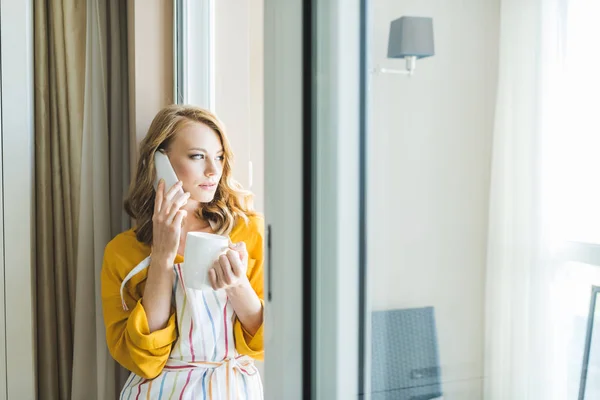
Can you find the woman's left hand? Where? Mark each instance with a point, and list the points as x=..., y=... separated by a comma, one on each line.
x=230, y=269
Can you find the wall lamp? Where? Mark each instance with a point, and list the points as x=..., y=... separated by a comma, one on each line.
x=410, y=38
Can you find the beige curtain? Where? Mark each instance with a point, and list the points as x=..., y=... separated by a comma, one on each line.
x=59, y=59
x=82, y=172
x=104, y=179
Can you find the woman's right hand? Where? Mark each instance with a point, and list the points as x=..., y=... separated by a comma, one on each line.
x=166, y=232
x=166, y=222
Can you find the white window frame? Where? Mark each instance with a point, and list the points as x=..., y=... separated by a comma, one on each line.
x=284, y=200
x=17, y=375
x=337, y=129
x=194, y=61
x=194, y=58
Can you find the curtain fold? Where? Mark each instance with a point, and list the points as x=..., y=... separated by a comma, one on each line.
x=118, y=119
x=119, y=133
x=82, y=173
x=59, y=27
x=105, y=176
x=525, y=347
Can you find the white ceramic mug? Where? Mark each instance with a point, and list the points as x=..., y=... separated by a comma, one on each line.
x=201, y=251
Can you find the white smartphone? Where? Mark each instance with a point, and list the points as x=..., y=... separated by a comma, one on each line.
x=164, y=170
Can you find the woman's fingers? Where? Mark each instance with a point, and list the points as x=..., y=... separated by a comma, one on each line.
x=169, y=197
x=235, y=261
x=212, y=276
x=221, y=270
x=173, y=190
x=177, y=204
x=218, y=280
x=158, y=199
x=240, y=247
x=229, y=268
x=179, y=217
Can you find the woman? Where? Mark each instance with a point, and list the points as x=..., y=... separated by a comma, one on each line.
x=175, y=347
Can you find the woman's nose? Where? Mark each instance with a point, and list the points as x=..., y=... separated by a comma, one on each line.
x=210, y=168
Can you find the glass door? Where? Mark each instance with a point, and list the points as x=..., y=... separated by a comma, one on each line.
x=313, y=121
x=429, y=135
x=481, y=240
x=429, y=181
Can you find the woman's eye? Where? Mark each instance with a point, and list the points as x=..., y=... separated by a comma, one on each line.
x=220, y=158
x=197, y=156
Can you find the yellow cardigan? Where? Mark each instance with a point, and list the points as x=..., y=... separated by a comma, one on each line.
x=127, y=334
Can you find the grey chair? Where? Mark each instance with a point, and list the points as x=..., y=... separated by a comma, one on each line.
x=405, y=361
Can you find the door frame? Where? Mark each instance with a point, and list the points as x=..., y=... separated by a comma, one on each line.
x=287, y=211
x=314, y=192
x=338, y=198
x=18, y=212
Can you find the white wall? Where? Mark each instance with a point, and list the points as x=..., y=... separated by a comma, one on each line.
x=150, y=46
x=429, y=172
x=239, y=86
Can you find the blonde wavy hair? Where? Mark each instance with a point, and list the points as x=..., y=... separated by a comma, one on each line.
x=231, y=201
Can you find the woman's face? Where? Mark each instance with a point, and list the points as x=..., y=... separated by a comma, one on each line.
x=196, y=154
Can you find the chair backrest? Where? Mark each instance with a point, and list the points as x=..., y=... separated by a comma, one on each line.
x=589, y=386
x=405, y=361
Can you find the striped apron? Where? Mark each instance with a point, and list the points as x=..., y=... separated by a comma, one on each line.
x=204, y=363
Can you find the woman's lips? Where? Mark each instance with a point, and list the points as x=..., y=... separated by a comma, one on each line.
x=208, y=186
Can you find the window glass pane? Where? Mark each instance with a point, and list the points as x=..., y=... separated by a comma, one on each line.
x=428, y=180
x=572, y=162
x=480, y=165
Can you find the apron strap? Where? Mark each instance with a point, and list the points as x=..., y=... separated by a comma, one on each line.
x=139, y=268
